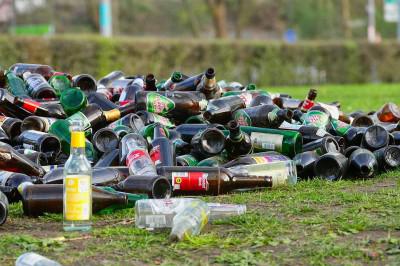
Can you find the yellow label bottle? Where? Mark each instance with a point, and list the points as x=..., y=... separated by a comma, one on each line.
x=77, y=183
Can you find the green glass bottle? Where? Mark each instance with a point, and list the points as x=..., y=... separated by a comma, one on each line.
x=73, y=100
x=16, y=85
x=60, y=128
x=286, y=142
x=60, y=83
x=148, y=131
x=186, y=160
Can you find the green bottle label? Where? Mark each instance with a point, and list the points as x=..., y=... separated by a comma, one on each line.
x=163, y=120
x=340, y=127
x=272, y=116
x=242, y=118
x=159, y=104
x=316, y=118
x=189, y=159
x=82, y=117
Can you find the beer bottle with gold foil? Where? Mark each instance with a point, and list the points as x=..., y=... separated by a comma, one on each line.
x=208, y=85
x=77, y=183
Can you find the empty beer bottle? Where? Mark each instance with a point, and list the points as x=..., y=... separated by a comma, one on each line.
x=134, y=149
x=38, y=87
x=157, y=187
x=20, y=68
x=100, y=176
x=251, y=97
x=362, y=164
x=179, y=105
x=101, y=100
x=77, y=185
x=388, y=158
x=11, y=126
x=106, y=81
x=305, y=164
x=190, y=221
x=189, y=84
x=73, y=100
x=13, y=180
x=286, y=142
x=375, y=137
x=317, y=116
x=150, y=82
x=129, y=92
x=30, y=107
x=322, y=146
x=13, y=161
x=40, y=199
x=109, y=158
x=37, y=156
x=85, y=82
x=59, y=83
x=308, y=133
x=208, y=85
x=269, y=116
x=214, y=161
x=37, y=123
x=39, y=141
x=260, y=100
x=105, y=140
x=3, y=208
x=162, y=152
x=133, y=121
x=359, y=119
x=285, y=102
x=389, y=112
x=187, y=131
x=331, y=166
x=309, y=101
x=151, y=118
x=221, y=110
x=175, y=77
x=207, y=143
x=9, y=108
x=237, y=143
x=16, y=85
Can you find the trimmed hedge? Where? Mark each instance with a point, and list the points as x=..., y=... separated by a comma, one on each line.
x=264, y=63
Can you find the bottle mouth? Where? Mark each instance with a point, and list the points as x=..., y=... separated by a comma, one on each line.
x=161, y=189
x=50, y=145
x=365, y=170
x=328, y=168
x=362, y=121
x=31, y=123
x=330, y=145
x=392, y=156
x=86, y=83
x=106, y=140
x=210, y=73
x=207, y=115
x=376, y=137
x=213, y=141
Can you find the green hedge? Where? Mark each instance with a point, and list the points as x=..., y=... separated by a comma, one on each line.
x=265, y=63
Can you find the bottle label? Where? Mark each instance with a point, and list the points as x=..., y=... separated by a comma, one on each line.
x=155, y=155
x=272, y=116
x=159, y=104
x=307, y=104
x=276, y=170
x=156, y=221
x=162, y=120
x=78, y=139
x=266, y=141
x=135, y=155
x=316, y=118
x=30, y=106
x=77, y=201
x=80, y=116
x=279, y=178
x=340, y=127
x=289, y=126
x=270, y=158
x=35, y=82
x=242, y=118
x=190, y=181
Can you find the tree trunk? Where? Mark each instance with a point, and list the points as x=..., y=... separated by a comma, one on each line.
x=239, y=19
x=218, y=11
x=193, y=23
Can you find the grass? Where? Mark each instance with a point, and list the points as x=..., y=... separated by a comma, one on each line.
x=313, y=223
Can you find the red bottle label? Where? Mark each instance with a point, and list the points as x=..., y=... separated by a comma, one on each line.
x=190, y=181
x=155, y=155
x=30, y=105
x=135, y=155
x=307, y=104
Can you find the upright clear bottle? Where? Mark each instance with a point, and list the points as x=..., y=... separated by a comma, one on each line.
x=77, y=183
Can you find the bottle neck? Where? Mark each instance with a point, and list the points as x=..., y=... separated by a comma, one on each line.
x=235, y=134
x=77, y=143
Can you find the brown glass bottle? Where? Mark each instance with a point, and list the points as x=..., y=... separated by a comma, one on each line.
x=221, y=110
x=40, y=199
x=208, y=85
x=189, y=84
x=38, y=87
x=188, y=180
x=150, y=82
x=20, y=68
x=389, y=112
x=237, y=143
x=13, y=161
x=269, y=116
x=179, y=105
x=162, y=151
x=309, y=101
x=11, y=126
x=157, y=187
x=38, y=123
x=208, y=142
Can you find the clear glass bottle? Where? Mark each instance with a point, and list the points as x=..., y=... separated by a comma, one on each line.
x=77, y=183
